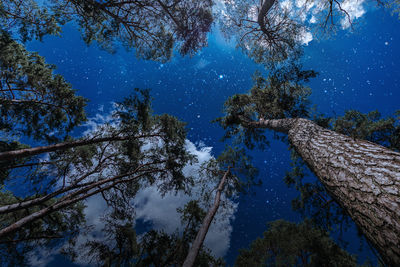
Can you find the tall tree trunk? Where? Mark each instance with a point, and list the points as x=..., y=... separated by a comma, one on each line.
x=201, y=234
x=363, y=178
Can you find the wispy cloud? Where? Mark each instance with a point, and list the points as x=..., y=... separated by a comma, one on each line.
x=153, y=207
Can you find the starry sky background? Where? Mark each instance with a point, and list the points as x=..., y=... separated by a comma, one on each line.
x=357, y=70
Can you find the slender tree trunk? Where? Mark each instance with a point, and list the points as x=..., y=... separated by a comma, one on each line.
x=363, y=177
x=201, y=234
x=265, y=7
x=29, y=203
x=26, y=152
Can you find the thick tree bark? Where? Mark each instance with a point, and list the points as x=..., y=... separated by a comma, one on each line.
x=363, y=177
x=201, y=234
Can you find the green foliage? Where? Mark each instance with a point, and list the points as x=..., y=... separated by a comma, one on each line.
x=5, y=166
x=125, y=245
x=290, y=244
x=276, y=35
x=138, y=147
x=371, y=127
x=281, y=95
x=152, y=28
x=243, y=173
x=34, y=101
x=60, y=226
x=29, y=20
x=395, y=5
x=154, y=147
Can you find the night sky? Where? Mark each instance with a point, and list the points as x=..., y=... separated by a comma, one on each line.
x=357, y=70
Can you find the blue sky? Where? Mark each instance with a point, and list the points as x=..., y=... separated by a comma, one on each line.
x=358, y=70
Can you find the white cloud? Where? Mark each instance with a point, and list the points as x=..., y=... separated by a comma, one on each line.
x=253, y=13
x=306, y=12
x=287, y=4
x=305, y=37
x=152, y=207
x=355, y=10
x=161, y=211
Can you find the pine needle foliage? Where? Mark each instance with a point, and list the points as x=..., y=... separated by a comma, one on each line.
x=291, y=244
x=34, y=101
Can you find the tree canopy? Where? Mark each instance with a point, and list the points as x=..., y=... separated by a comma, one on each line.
x=114, y=160
x=123, y=247
x=152, y=28
x=248, y=115
x=291, y=244
x=42, y=102
x=47, y=177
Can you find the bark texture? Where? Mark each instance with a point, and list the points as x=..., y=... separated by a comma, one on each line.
x=201, y=234
x=363, y=177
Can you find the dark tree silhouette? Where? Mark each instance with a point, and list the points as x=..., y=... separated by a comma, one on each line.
x=122, y=247
x=152, y=28
x=290, y=244
x=263, y=29
x=137, y=148
x=39, y=101
x=271, y=31
x=237, y=175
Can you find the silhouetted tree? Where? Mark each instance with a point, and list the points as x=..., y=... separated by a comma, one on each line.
x=271, y=31
x=291, y=244
x=34, y=101
x=29, y=20
x=122, y=247
x=395, y=5
x=136, y=148
x=263, y=29
x=238, y=175
x=48, y=231
x=152, y=28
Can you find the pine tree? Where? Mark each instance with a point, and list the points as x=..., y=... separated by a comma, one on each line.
x=361, y=176
x=291, y=244
x=34, y=101
x=152, y=28
x=115, y=160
